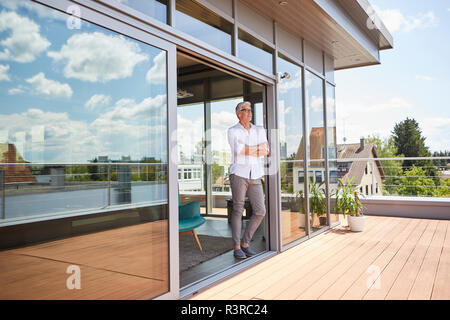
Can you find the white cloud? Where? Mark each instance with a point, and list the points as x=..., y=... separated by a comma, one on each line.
x=18, y=90
x=294, y=82
x=317, y=104
x=4, y=73
x=128, y=109
x=396, y=21
x=425, y=78
x=49, y=88
x=362, y=116
x=97, y=57
x=436, y=132
x=41, y=10
x=66, y=140
x=97, y=101
x=25, y=42
x=157, y=73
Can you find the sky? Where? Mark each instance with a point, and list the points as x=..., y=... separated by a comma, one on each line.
x=413, y=79
x=72, y=92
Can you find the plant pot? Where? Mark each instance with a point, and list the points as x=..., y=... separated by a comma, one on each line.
x=323, y=221
x=301, y=220
x=356, y=223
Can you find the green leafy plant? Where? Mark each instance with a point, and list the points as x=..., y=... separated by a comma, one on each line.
x=317, y=199
x=347, y=198
x=296, y=203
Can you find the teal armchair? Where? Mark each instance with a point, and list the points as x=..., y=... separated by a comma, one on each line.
x=190, y=218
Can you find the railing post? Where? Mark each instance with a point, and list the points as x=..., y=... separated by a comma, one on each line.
x=2, y=188
x=109, y=184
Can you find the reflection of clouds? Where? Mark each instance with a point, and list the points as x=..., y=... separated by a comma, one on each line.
x=97, y=57
x=97, y=101
x=157, y=73
x=189, y=134
x=49, y=88
x=221, y=121
x=25, y=42
x=61, y=134
x=4, y=73
x=316, y=104
x=294, y=82
x=126, y=130
x=128, y=109
x=40, y=10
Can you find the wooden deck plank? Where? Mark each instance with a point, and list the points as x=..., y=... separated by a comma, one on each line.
x=403, y=283
x=337, y=268
x=123, y=263
x=361, y=258
x=310, y=272
x=258, y=271
x=357, y=276
x=423, y=285
x=348, y=254
x=286, y=258
x=272, y=282
x=395, y=265
x=441, y=288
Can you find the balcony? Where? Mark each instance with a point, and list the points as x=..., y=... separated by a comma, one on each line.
x=394, y=258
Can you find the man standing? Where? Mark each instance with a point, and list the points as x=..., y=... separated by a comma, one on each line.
x=248, y=144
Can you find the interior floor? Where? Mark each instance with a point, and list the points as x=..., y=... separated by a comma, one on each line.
x=220, y=227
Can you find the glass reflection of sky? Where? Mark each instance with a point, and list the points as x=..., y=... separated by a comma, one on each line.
x=81, y=93
x=203, y=31
x=152, y=8
x=290, y=107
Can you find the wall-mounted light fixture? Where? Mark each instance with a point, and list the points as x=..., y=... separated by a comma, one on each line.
x=284, y=75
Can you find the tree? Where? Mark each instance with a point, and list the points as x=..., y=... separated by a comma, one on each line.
x=409, y=142
x=416, y=183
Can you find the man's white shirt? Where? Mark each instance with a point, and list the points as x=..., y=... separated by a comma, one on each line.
x=245, y=166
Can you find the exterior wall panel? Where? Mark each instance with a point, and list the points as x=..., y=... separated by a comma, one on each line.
x=289, y=43
x=313, y=57
x=254, y=21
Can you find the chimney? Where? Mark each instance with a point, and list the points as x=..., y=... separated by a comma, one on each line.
x=361, y=147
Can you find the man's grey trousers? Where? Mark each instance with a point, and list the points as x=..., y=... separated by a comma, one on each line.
x=253, y=189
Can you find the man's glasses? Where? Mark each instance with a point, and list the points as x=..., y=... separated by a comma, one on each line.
x=246, y=110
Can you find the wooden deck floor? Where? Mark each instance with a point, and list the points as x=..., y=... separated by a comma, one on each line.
x=394, y=258
x=124, y=263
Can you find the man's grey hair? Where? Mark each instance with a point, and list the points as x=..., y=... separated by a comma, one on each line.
x=241, y=104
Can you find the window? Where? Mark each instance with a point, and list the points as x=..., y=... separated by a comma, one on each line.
x=365, y=170
x=84, y=99
x=367, y=190
x=154, y=8
x=301, y=176
x=333, y=177
x=203, y=24
x=255, y=51
x=318, y=176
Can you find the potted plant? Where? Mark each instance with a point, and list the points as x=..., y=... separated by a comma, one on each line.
x=356, y=219
x=348, y=202
x=317, y=202
x=297, y=205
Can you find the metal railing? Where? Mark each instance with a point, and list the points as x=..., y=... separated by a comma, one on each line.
x=26, y=181
x=400, y=176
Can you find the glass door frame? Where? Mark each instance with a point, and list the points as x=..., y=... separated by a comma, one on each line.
x=114, y=21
